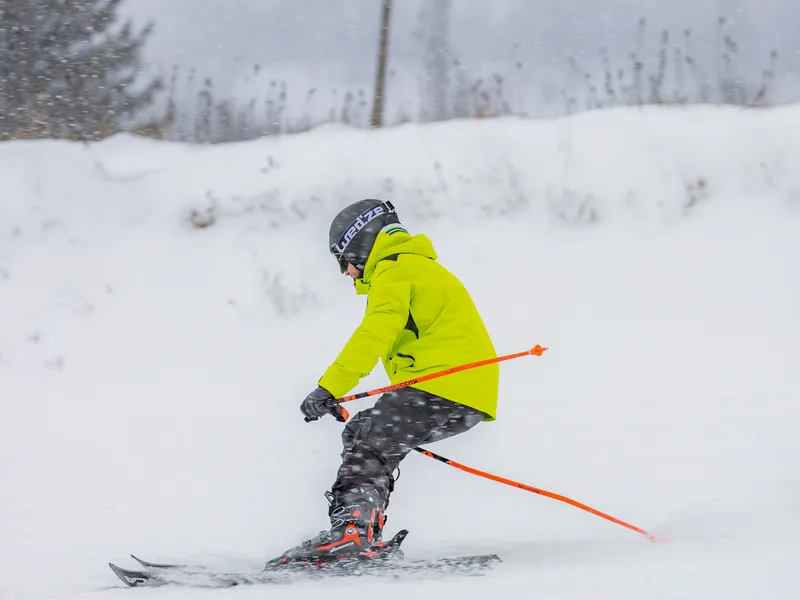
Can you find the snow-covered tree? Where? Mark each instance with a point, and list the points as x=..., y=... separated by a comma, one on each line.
x=69, y=69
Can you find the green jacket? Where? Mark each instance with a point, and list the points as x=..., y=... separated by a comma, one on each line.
x=419, y=319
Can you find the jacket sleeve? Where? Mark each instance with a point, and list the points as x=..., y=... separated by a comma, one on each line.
x=386, y=317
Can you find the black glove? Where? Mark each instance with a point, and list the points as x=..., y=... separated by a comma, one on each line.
x=319, y=403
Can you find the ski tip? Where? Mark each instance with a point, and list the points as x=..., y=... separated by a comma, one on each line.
x=150, y=565
x=119, y=572
x=129, y=578
x=144, y=563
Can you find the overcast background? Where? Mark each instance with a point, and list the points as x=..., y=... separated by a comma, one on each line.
x=329, y=43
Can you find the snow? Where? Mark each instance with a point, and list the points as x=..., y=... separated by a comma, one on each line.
x=151, y=371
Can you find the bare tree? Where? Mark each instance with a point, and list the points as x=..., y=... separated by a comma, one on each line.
x=383, y=58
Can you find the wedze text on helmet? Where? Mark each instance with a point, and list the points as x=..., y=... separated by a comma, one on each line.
x=359, y=224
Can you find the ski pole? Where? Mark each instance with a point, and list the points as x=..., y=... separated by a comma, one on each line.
x=529, y=488
x=537, y=350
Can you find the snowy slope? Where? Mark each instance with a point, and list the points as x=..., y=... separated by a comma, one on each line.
x=151, y=371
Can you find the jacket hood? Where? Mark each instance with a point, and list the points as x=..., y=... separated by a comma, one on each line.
x=393, y=239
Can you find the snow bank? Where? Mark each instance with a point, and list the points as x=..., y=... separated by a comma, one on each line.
x=151, y=366
x=620, y=163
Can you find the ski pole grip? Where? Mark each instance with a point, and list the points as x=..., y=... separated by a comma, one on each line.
x=338, y=411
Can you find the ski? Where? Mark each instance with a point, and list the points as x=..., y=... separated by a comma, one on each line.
x=184, y=576
x=390, y=562
x=390, y=548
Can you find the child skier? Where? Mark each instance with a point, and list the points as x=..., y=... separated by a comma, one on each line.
x=419, y=319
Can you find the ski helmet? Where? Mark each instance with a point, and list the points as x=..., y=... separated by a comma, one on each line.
x=354, y=230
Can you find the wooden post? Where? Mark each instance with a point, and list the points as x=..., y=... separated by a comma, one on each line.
x=383, y=57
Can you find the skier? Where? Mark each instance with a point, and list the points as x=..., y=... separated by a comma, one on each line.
x=419, y=319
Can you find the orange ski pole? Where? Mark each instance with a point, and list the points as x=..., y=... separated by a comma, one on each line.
x=529, y=488
x=537, y=350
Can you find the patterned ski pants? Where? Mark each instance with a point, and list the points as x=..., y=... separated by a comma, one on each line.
x=377, y=439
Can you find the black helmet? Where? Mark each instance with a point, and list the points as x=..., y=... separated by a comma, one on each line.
x=354, y=229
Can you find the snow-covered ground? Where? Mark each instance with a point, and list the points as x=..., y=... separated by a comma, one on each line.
x=151, y=371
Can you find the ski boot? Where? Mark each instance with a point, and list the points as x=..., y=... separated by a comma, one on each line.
x=357, y=522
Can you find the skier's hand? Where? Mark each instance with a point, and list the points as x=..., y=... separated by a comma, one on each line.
x=320, y=403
